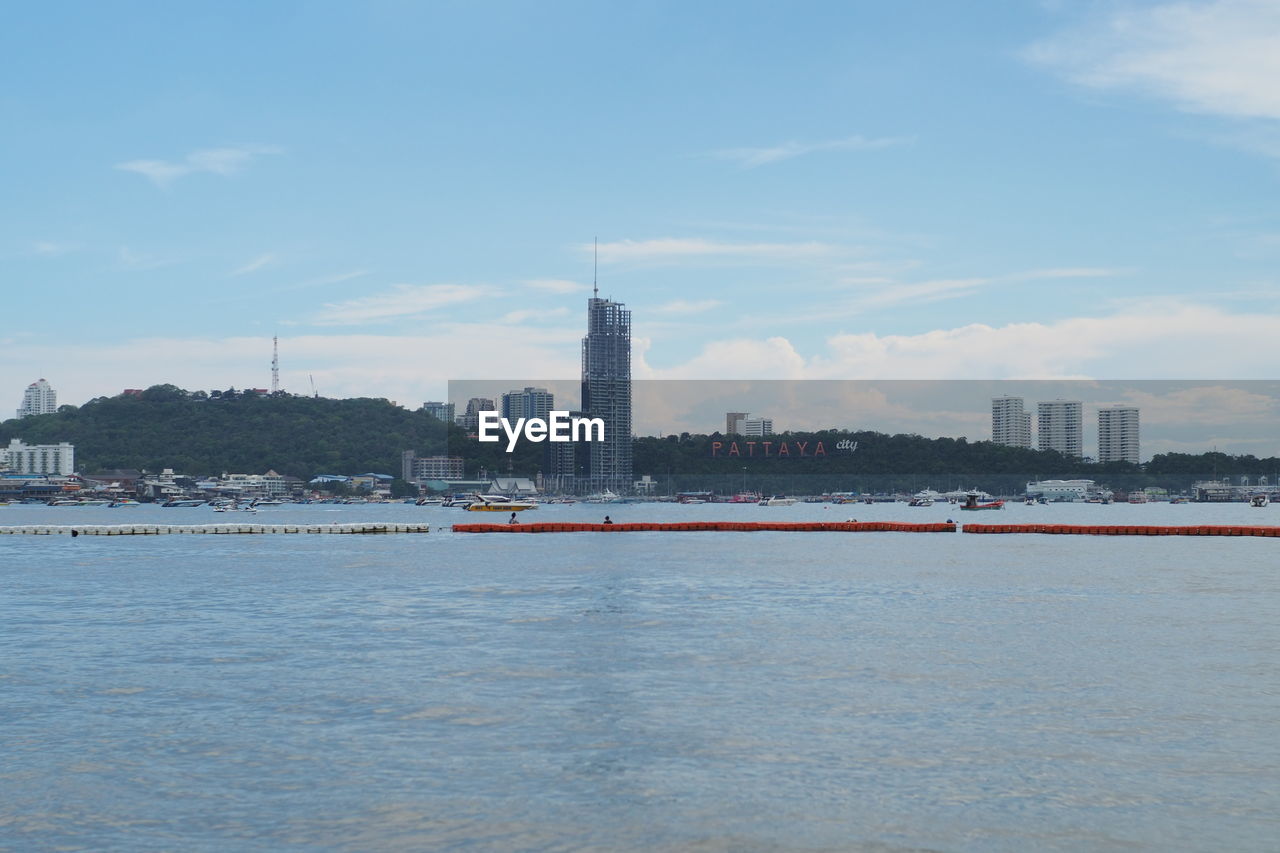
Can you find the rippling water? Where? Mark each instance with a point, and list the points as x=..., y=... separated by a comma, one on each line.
x=705, y=691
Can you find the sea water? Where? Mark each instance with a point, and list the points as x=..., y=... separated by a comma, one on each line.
x=641, y=691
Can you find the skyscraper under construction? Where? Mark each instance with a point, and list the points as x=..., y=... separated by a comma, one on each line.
x=606, y=392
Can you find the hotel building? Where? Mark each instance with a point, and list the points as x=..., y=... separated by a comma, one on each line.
x=1118, y=439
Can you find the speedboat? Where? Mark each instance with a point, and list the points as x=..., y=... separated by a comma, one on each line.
x=971, y=501
x=183, y=502
x=1259, y=500
x=920, y=502
x=498, y=503
x=777, y=500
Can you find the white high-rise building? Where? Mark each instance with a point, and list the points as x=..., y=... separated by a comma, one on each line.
x=1010, y=424
x=742, y=423
x=1118, y=434
x=39, y=458
x=38, y=399
x=1061, y=426
x=529, y=403
x=756, y=427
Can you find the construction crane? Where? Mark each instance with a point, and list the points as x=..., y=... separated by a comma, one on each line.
x=314, y=393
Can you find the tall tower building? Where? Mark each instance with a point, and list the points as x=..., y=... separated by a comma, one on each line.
x=606, y=392
x=1118, y=434
x=529, y=403
x=1010, y=425
x=1061, y=426
x=38, y=399
x=732, y=422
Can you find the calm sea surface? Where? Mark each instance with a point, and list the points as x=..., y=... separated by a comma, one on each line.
x=645, y=691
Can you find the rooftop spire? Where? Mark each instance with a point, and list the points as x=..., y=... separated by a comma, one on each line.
x=595, y=266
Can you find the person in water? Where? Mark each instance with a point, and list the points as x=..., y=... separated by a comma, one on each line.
x=512, y=519
x=608, y=520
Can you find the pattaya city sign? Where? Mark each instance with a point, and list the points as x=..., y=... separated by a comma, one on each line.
x=763, y=449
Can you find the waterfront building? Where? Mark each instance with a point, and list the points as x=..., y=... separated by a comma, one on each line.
x=38, y=399
x=23, y=458
x=1061, y=490
x=1118, y=439
x=1010, y=423
x=470, y=418
x=418, y=468
x=528, y=403
x=731, y=420
x=439, y=411
x=1060, y=427
x=606, y=393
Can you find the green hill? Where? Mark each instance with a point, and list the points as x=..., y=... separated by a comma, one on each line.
x=167, y=427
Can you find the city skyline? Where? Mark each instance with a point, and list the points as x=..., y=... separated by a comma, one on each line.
x=1027, y=191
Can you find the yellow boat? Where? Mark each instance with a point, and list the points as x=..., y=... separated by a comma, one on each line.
x=498, y=503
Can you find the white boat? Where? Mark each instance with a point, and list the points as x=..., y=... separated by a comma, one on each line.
x=498, y=503
x=605, y=497
x=778, y=500
x=183, y=502
x=1259, y=500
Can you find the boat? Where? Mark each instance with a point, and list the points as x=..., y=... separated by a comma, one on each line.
x=920, y=502
x=183, y=502
x=777, y=500
x=971, y=501
x=606, y=497
x=123, y=502
x=429, y=502
x=1259, y=500
x=65, y=502
x=498, y=503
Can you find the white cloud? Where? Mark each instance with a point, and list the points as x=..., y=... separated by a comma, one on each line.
x=403, y=300
x=53, y=249
x=140, y=261
x=683, y=306
x=673, y=249
x=536, y=314
x=750, y=158
x=1220, y=57
x=557, y=285
x=216, y=161
x=255, y=264
x=1158, y=341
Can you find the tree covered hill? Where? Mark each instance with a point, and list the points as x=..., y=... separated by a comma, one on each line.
x=168, y=427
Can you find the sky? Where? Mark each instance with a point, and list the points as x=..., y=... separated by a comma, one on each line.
x=407, y=193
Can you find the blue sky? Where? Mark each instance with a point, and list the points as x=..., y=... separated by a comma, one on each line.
x=407, y=193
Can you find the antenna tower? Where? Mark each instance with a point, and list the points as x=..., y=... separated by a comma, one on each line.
x=595, y=266
x=275, y=365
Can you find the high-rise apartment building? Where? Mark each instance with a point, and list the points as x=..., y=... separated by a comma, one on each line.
x=1060, y=426
x=38, y=399
x=470, y=419
x=1010, y=424
x=439, y=411
x=755, y=427
x=606, y=392
x=39, y=458
x=1118, y=434
x=528, y=403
